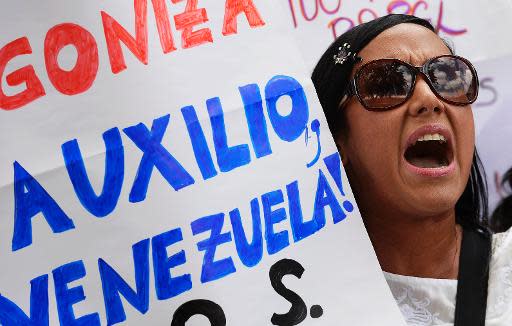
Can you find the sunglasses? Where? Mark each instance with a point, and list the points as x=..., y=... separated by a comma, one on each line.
x=385, y=84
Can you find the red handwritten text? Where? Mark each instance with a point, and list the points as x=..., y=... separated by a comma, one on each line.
x=341, y=24
x=82, y=76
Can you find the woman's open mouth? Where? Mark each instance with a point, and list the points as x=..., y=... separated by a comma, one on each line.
x=429, y=152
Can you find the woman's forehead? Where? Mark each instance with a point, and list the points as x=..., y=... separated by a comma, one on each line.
x=408, y=42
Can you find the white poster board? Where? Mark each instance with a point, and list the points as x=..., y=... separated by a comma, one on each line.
x=156, y=153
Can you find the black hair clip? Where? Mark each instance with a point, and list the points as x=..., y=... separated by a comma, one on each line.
x=345, y=54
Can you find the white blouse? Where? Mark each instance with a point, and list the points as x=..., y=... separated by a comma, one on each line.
x=427, y=301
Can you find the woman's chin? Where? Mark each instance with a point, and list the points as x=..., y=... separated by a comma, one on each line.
x=432, y=190
x=433, y=200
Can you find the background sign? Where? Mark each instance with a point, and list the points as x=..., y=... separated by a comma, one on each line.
x=165, y=161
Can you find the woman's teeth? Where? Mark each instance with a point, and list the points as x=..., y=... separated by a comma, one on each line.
x=435, y=136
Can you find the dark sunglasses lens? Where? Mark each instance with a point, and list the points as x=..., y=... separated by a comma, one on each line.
x=383, y=84
x=453, y=79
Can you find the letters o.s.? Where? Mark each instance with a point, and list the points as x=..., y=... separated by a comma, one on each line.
x=83, y=74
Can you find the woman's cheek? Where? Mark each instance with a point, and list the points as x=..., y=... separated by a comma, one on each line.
x=468, y=137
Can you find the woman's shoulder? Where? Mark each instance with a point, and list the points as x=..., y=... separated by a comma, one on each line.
x=500, y=243
x=499, y=299
x=423, y=301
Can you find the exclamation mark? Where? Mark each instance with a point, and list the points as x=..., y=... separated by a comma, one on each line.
x=333, y=164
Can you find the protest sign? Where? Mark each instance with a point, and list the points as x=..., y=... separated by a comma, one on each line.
x=167, y=162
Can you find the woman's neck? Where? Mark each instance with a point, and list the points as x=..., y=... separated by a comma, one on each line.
x=426, y=247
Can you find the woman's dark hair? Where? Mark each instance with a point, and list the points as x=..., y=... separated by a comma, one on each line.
x=331, y=83
x=471, y=209
x=501, y=219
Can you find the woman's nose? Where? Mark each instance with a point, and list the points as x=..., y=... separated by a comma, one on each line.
x=423, y=99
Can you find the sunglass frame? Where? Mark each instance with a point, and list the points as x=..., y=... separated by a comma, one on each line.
x=423, y=70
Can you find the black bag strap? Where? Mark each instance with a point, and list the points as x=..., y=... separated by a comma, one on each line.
x=473, y=277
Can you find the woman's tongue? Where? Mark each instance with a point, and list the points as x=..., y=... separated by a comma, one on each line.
x=426, y=162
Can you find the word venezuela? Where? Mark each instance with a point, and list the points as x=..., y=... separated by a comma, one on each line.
x=82, y=76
